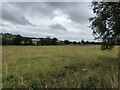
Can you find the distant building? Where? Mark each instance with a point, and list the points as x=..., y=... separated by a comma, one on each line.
x=60, y=42
x=81, y=44
x=35, y=41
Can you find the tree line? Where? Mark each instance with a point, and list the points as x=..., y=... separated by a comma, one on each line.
x=10, y=39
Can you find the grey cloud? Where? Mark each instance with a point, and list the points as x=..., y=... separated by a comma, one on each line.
x=19, y=13
x=35, y=8
x=57, y=27
x=78, y=12
x=14, y=15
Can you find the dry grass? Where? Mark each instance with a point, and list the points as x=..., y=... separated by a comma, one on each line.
x=59, y=67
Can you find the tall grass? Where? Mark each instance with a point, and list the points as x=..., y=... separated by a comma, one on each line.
x=59, y=67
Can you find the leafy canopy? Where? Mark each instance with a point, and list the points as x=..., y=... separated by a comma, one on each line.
x=106, y=23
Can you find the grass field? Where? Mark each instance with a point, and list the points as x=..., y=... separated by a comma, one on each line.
x=59, y=67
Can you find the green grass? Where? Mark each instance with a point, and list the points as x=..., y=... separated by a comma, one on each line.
x=59, y=67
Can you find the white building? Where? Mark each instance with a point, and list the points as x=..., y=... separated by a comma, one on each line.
x=35, y=41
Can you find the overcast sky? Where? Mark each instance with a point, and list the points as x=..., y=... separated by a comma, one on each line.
x=64, y=20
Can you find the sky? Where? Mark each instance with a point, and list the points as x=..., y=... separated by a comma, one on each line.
x=63, y=20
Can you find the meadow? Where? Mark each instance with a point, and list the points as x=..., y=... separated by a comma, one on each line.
x=59, y=67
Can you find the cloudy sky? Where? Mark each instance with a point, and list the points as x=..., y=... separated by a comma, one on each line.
x=64, y=20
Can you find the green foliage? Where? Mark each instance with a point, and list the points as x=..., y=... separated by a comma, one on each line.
x=59, y=67
x=106, y=23
x=9, y=39
x=48, y=41
x=66, y=42
x=82, y=41
x=17, y=40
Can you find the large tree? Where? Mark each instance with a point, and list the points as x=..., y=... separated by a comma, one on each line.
x=106, y=23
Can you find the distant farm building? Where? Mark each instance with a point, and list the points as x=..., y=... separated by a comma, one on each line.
x=35, y=41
